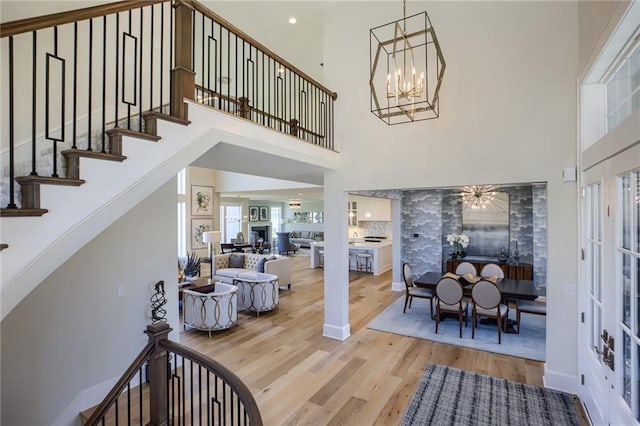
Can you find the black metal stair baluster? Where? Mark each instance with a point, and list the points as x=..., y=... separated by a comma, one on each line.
x=12, y=199
x=161, y=56
x=74, y=144
x=33, y=107
x=140, y=79
x=151, y=42
x=141, y=405
x=171, y=64
x=117, y=70
x=104, y=82
x=219, y=79
x=89, y=108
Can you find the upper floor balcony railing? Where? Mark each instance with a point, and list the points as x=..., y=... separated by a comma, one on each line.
x=71, y=78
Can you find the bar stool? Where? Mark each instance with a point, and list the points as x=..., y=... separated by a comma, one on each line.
x=363, y=262
x=321, y=258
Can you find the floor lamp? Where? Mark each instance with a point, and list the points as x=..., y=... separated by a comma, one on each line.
x=212, y=238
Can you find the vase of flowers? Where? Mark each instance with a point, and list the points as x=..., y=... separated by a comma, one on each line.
x=458, y=242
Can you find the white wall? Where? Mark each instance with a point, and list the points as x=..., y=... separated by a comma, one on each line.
x=508, y=115
x=73, y=331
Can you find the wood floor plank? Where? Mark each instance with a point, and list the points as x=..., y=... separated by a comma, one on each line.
x=299, y=377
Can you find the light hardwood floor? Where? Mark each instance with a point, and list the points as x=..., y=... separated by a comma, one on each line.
x=299, y=377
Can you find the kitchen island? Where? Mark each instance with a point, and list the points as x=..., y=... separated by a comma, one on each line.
x=381, y=255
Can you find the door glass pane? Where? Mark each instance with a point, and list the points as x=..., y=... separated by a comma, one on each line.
x=596, y=325
x=638, y=296
x=626, y=290
x=636, y=202
x=597, y=279
x=627, y=212
x=626, y=371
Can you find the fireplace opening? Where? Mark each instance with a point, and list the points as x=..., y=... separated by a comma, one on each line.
x=260, y=232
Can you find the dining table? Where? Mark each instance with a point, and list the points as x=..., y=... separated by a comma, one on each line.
x=510, y=288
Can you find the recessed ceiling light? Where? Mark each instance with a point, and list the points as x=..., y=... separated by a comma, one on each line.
x=292, y=20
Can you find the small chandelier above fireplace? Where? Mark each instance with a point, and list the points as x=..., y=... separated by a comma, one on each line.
x=407, y=69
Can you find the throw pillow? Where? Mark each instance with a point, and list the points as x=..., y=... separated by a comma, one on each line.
x=260, y=265
x=236, y=261
x=292, y=235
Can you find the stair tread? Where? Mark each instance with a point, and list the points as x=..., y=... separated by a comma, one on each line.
x=22, y=212
x=132, y=133
x=93, y=154
x=49, y=180
x=166, y=117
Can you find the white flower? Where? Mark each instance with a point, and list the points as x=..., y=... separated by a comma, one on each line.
x=462, y=239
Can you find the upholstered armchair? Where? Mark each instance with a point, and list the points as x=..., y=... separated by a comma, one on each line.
x=215, y=310
x=284, y=245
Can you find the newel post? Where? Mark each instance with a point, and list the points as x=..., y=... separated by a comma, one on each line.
x=293, y=129
x=158, y=362
x=183, y=78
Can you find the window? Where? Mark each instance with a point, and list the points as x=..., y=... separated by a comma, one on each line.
x=623, y=89
x=230, y=221
x=276, y=216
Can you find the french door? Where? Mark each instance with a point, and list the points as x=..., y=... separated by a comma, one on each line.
x=610, y=336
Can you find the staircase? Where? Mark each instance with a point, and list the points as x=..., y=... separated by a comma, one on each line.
x=76, y=176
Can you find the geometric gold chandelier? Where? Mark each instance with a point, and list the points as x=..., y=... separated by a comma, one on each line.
x=407, y=69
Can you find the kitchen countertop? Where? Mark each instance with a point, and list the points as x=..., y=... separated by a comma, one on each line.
x=360, y=244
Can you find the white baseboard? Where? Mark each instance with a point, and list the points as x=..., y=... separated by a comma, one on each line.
x=335, y=332
x=397, y=286
x=560, y=381
x=85, y=399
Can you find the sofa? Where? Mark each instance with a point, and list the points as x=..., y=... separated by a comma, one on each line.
x=306, y=238
x=224, y=268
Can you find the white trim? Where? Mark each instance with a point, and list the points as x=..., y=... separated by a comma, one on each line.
x=560, y=381
x=336, y=332
x=396, y=286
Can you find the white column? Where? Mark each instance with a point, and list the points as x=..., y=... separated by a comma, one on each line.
x=396, y=229
x=336, y=268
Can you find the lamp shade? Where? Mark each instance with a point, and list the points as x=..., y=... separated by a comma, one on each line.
x=211, y=237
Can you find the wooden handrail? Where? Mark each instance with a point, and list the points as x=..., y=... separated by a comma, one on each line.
x=32, y=24
x=232, y=28
x=228, y=376
x=116, y=390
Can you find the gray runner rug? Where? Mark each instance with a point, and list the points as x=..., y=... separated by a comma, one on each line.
x=448, y=396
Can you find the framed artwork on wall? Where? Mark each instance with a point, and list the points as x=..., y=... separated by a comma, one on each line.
x=198, y=227
x=201, y=200
x=487, y=226
x=264, y=213
x=254, y=213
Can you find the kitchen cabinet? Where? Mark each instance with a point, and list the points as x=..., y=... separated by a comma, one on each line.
x=373, y=209
x=352, y=211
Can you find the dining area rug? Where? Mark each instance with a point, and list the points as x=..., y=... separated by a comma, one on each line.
x=416, y=322
x=447, y=395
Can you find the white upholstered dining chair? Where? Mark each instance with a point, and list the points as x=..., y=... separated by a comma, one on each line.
x=487, y=302
x=490, y=270
x=449, y=300
x=413, y=291
x=466, y=268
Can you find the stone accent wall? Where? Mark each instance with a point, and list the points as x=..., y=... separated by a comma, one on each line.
x=422, y=215
x=539, y=195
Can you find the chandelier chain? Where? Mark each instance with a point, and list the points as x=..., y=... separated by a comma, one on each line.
x=404, y=17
